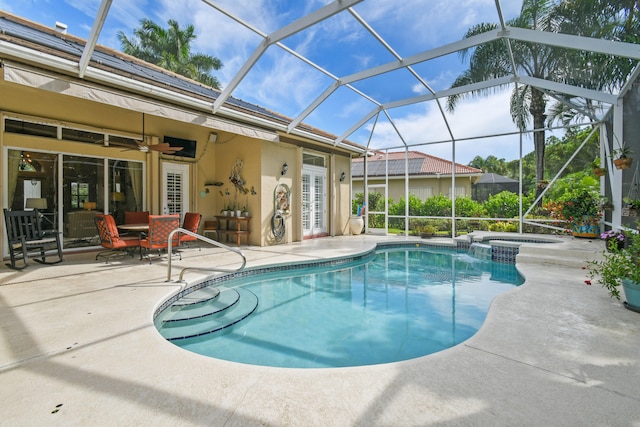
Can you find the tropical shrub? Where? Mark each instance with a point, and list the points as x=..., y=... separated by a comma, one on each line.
x=505, y=204
x=467, y=207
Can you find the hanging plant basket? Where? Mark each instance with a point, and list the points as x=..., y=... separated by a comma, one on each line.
x=630, y=212
x=623, y=163
x=599, y=171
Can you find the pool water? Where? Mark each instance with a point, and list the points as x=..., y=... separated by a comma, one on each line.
x=398, y=305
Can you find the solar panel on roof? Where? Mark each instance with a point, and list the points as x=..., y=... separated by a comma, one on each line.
x=60, y=44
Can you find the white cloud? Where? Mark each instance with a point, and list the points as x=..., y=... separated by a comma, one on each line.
x=475, y=117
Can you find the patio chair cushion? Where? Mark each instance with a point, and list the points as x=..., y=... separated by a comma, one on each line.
x=136, y=217
x=110, y=239
x=192, y=223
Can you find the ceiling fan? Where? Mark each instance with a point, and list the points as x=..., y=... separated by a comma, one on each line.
x=163, y=147
x=142, y=145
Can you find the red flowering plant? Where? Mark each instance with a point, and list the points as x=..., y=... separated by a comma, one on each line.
x=574, y=205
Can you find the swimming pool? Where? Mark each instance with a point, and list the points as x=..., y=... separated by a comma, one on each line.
x=393, y=304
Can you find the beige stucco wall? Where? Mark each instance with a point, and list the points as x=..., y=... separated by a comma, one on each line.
x=229, y=148
x=262, y=160
x=341, y=195
x=396, y=190
x=274, y=156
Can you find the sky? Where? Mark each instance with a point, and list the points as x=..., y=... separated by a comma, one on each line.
x=340, y=45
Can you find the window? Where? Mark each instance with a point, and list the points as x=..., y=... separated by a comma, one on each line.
x=421, y=192
x=79, y=194
x=313, y=160
x=30, y=128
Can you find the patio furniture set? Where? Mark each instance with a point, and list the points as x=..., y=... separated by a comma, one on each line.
x=141, y=232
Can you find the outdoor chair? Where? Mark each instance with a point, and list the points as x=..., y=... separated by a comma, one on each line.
x=26, y=238
x=160, y=226
x=110, y=239
x=210, y=227
x=191, y=222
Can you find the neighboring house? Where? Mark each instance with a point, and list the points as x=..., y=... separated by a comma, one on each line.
x=428, y=175
x=492, y=183
x=82, y=139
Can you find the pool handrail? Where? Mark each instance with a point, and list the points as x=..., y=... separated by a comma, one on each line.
x=204, y=239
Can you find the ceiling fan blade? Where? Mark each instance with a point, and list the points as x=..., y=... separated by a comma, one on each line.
x=126, y=147
x=164, y=148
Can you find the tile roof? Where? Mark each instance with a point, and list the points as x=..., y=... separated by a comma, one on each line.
x=418, y=164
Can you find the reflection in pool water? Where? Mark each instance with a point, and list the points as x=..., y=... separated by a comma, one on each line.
x=396, y=305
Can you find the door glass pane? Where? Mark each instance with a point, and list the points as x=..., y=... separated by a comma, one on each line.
x=306, y=202
x=82, y=197
x=31, y=182
x=174, y=193
x=319, y=197
x=125, y=188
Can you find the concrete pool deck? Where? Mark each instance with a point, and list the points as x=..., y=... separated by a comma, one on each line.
x=79, y=347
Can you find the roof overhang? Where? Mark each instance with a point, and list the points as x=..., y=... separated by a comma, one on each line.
x=65, y=85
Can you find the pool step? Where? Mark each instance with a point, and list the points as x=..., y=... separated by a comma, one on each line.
x=219, y=318
x=197, y=297
x=181, y=311
x=562, y=256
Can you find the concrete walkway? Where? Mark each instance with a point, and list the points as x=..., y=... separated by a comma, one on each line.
x=78, y=347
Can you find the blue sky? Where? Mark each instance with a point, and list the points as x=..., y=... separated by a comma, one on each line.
x=287, y=85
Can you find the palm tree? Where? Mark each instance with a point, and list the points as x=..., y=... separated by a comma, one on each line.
x=171, y=49
x=607, y=19
x=492, y=60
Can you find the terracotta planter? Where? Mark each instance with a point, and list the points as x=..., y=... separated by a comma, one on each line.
x=588, y=228
x=624, y=163
x=599, y=171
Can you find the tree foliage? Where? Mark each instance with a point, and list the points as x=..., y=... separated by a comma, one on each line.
x=558, y=151
x=614, y=20
x=170, y=48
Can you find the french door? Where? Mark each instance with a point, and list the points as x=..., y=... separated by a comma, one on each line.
x=314, y=201
x=175, y=188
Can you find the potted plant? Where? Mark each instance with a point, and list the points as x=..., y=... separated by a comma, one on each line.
x=614, y=239
x=598, y=170
x=632, y=207
x=621, y=267
x=621, y=157
x=605, y=204
x=227, y=206
x=579, y=208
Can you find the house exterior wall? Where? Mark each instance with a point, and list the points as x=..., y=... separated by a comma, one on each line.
x=262, y=159
x=437, y=185
x=342, y=196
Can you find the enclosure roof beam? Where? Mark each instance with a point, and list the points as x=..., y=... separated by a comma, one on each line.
x=296, y=26
x=89, y=47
